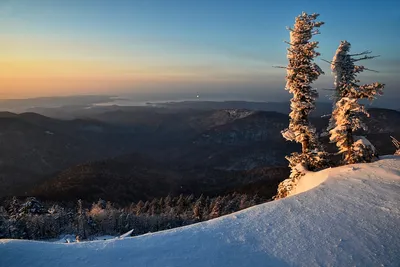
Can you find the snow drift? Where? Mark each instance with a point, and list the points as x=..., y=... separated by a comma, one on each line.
x=346, y=216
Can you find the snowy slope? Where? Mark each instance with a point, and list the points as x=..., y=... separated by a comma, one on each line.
x=351, y=219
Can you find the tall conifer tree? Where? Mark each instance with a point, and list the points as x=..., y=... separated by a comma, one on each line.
x=346, y=118
x=301, y=73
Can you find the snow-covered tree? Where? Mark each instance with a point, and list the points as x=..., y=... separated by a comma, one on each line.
x=301, y=73
x=397, y=145
x=81, y=221
x=32, y=206
x=216, y=207
x=14, y=206
x=345, y=118
x=198, y=208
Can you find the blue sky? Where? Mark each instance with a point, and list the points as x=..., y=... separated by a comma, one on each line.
x=206, y=47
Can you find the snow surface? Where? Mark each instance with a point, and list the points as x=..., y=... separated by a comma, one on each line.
x=346, y=216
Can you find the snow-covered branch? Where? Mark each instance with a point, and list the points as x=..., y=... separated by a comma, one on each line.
x=363, y=58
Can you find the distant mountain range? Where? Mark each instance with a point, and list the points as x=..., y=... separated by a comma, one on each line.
x=84, y=110
x=166, y=151
x=23, y=105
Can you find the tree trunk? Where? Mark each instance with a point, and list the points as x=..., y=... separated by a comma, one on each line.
x=349, y=143
x=305, y=145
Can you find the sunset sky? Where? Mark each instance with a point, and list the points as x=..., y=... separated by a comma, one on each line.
x=66, y=47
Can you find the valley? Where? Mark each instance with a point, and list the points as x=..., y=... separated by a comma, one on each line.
x=138, y=153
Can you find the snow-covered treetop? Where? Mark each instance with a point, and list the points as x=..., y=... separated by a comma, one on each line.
x=301, y=71
x=346, y=71
x=305, y=24
x=338, y=61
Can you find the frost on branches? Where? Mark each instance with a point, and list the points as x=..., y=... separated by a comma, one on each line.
x=397, y=145
x=301, y=73
x=346, y=114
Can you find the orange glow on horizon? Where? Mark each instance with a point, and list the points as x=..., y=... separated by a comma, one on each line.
x=33, y=66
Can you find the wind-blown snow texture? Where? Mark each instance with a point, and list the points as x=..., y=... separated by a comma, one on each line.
x=351, y=219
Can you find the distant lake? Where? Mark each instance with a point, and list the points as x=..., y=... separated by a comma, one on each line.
x=125, y=101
